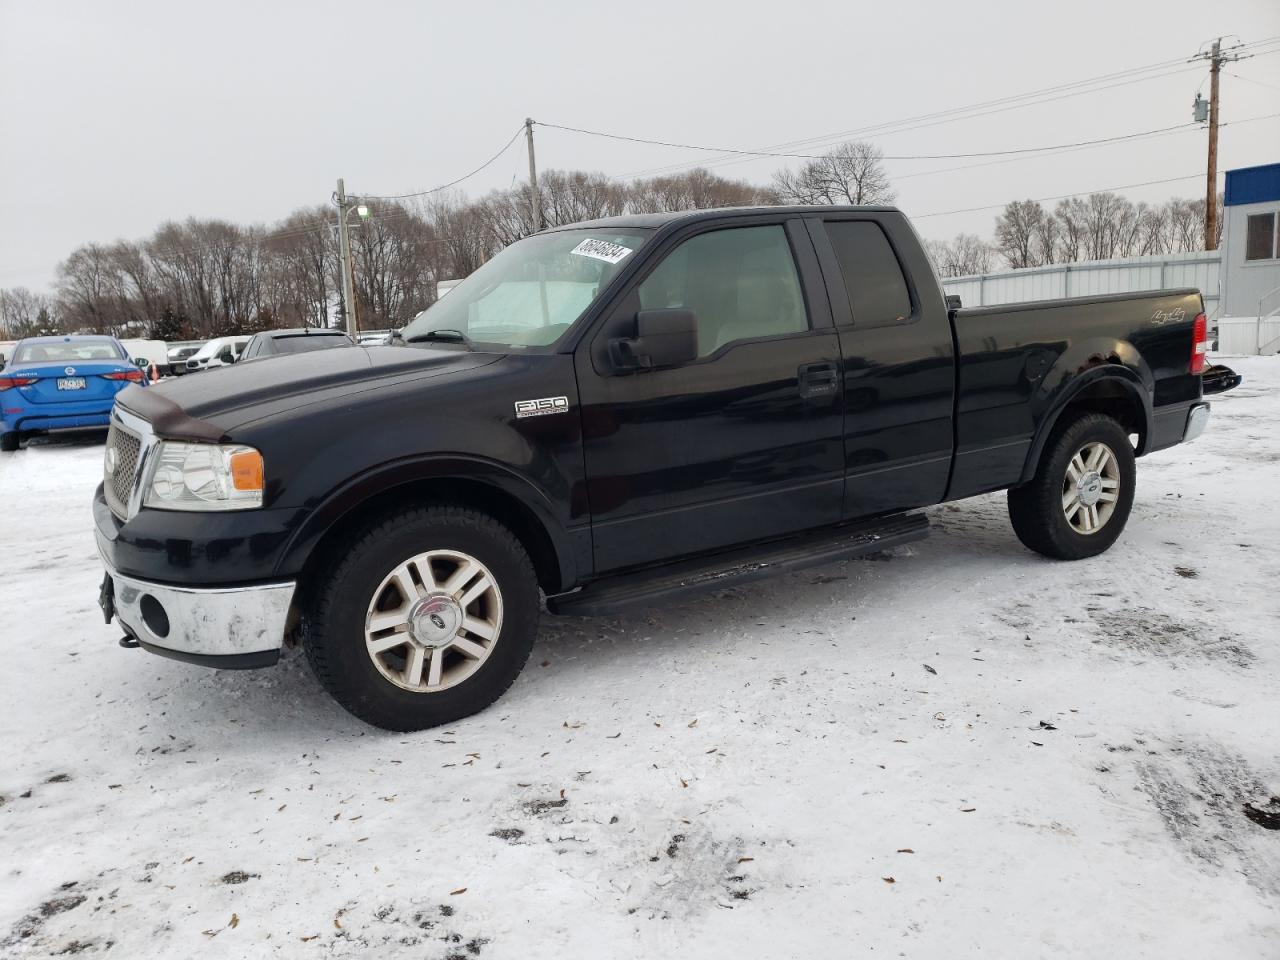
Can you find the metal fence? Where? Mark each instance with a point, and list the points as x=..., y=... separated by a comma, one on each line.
x=1091, y=277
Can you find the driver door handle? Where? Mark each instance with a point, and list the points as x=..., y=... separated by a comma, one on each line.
x=818, y=379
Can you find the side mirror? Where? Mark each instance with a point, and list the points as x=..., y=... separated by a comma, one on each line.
x=142, y=363
x=664, y=338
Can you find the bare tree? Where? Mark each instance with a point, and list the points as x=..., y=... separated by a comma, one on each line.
x=87, y=284
x=1151, y=233
x=1185, y=230
x=851, y=173
x=464, y=239
x=25, y=314
x=698, y=189
x=1070, y=216
x=299, y=263
x=1021, y=234
x=1195, y=226
x=1098, y=223
x=137, y=285
x=570, y=196
x=963, y=255
x=393, y=253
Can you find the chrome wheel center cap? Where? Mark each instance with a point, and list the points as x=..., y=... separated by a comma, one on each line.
x=1090, y=488
x=435, y=621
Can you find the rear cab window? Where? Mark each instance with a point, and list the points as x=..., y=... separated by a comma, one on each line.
x=306, y=342
x=873, y=277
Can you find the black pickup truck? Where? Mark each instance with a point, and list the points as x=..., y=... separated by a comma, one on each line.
x=607, y=415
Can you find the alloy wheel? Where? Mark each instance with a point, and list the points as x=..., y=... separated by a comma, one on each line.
x=433, y=621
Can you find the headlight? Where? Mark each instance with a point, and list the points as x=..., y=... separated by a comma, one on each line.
x=205, y=476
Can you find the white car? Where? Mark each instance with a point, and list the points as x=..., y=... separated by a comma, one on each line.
x=217, y=353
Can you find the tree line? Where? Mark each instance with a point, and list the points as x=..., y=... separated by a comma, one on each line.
x=205, y=278
x=196, y=279
x=1099, y=226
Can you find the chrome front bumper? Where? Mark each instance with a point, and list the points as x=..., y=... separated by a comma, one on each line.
x=1197, y=420
x=226, y=627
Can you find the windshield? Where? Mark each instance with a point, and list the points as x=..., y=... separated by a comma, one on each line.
x=76, y=350
x=533, y=291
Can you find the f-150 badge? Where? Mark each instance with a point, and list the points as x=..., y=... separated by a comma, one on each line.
x=542, y=407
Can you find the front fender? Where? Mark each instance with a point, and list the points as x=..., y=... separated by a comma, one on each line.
x=386, y=478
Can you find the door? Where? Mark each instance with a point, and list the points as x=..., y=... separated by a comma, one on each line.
x=898, y=361
x=742, y=442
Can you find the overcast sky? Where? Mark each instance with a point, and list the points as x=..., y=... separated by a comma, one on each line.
x=117, y=116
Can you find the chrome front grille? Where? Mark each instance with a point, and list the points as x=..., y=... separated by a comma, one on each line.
x=120, y=464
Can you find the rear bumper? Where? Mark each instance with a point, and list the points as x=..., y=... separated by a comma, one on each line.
x=1197, y=420
x=227, y=627
x=1178, y=424
x=81, y=417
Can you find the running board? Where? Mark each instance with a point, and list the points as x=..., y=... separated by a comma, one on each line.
x=654, y=584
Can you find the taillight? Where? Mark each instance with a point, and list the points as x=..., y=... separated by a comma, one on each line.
x=8, y=382
x=1199, y=343
x=134, y=375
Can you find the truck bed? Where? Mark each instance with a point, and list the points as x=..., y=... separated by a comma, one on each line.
x=1018, y=363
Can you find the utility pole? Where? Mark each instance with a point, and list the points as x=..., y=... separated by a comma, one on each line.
x=1216, y=59
x=344, y=256
x=535, y=201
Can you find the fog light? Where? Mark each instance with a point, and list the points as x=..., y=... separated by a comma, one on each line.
x=153, y=615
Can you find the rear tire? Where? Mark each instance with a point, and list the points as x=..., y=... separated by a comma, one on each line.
x=9, y=441
x=445, y=646
x=1077, y=503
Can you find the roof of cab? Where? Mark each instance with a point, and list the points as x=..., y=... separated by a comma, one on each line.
x=652, y=221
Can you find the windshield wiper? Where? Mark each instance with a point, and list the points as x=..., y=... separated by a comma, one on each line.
x=443, y=335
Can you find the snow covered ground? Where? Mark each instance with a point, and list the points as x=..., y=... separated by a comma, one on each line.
x=953, y=749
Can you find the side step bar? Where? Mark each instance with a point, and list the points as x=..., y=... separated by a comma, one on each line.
x=652, y=585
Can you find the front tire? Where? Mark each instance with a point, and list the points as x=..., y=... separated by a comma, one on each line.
x=427, y=617
x=1077, y=503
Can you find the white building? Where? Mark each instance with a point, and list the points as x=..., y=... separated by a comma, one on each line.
x=1250, y=320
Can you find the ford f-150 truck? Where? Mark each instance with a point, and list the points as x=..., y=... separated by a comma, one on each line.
x=607, y=415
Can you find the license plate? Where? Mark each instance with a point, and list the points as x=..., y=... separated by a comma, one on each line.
x=71, y=383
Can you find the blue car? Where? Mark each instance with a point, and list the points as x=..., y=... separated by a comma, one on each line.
x=61, y=383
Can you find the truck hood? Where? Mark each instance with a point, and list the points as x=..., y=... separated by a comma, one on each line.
x=214, y=401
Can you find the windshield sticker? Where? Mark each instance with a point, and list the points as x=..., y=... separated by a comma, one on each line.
x=602, y=250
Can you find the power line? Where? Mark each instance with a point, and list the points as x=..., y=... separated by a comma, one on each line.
x=920, y=156
x=1065, y=196
x=1186, y=128
x=999, y=105
x=1261, y=83
x=938, y=118
x=451, y=183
